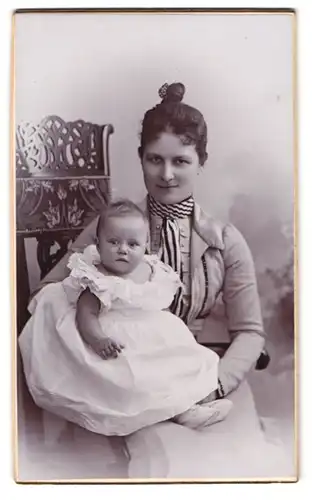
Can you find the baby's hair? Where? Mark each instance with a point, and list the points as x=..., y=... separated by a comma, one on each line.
x=119, y=208
x=173, y=115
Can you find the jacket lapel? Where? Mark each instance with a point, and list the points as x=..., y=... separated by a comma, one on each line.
x=206, y=232
x=198, y=248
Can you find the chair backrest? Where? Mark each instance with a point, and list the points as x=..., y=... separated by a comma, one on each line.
x=62, y=182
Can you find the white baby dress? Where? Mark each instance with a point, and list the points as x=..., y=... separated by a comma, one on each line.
x=161, y=372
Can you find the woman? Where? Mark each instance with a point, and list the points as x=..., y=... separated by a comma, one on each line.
x=212, y=258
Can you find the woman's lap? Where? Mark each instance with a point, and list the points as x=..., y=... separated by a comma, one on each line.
x=234, y=448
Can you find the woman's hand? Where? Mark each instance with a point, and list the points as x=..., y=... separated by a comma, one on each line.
x=106, y=347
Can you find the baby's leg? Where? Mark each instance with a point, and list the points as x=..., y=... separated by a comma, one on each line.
x=202, y=415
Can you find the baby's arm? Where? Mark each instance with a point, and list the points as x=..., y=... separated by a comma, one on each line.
x=88, y=308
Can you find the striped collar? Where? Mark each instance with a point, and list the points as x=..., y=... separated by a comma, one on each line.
x=208, y=230
x=180, y=210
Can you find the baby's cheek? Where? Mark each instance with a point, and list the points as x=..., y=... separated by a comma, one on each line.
x=142, y=251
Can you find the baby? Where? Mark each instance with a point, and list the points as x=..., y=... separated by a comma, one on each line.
x=120, y=360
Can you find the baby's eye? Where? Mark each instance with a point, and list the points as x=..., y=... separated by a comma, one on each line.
x=113, y=242
x=133, y=244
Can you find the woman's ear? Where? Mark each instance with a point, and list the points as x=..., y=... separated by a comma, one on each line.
x=205, y=160
x=202, y=165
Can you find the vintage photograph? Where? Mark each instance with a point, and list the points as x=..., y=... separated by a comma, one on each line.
x=154, y=177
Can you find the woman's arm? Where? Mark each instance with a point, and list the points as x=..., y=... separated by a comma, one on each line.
x=243, y=312
x=87, y=321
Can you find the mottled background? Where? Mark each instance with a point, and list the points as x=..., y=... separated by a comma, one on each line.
x=238, y=70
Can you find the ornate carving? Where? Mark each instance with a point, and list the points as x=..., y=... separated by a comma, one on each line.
x=56, y=147
x=59, y=204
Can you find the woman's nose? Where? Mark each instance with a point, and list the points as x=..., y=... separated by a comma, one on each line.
x=167, y=172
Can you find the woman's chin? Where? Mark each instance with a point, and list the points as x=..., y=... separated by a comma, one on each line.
x=168, y=196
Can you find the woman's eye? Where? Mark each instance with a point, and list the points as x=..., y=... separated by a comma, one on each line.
x=156, y=160
x=181, y=161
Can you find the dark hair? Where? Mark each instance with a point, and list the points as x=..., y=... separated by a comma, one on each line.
x=172, y=115
x=119, y=208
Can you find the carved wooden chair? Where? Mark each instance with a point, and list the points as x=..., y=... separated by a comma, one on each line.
x=62, y=182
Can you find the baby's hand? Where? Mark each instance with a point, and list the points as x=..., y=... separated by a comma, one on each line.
x=107, y=348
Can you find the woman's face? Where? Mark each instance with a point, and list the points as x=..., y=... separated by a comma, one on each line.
x=169, y=168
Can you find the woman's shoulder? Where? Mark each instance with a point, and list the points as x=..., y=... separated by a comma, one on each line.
x=217, y=233
x=236, y=250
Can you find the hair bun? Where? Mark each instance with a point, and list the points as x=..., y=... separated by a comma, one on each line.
x=172, y=93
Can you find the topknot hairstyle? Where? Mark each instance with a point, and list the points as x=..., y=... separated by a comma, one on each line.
x=173, y=115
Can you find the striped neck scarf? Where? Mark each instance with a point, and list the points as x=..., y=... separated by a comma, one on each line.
x=170, y=252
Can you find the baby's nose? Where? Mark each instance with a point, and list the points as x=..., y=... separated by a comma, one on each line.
x=123, y=248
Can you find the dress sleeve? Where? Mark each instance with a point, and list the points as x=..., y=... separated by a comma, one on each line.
x=84, y=274
x=166, y=281
x=170, y=277
x=243, y=313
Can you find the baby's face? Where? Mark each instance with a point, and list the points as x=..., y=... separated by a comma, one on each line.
x=122, y=243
